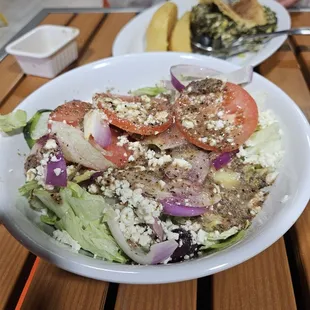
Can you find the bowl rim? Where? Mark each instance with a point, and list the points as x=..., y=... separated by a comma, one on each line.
x=114, y=272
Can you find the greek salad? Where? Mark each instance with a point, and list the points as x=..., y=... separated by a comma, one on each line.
x=163, y=174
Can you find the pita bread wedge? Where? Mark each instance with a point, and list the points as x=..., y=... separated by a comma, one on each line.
x=247, y=20
x=250, y=10
x=181, y=35
x=160, y=28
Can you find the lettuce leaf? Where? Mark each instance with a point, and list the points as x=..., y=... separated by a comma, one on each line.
x=228, y=242
x=83, y=177
x=93, y=237
x=49, y=219
x=28, y=187
x=224, y=235
x=82, y=215
x=13, y=120
x=60, y=207
x=87, y=206
x=149, y=91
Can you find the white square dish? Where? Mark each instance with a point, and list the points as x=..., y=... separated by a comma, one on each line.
x=46, y=50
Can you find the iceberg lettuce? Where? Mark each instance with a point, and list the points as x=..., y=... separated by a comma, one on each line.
x=13, y=120
x=82, y=216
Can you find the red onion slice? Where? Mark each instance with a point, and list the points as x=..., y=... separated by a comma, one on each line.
x=223, y=159
x=169, y=139
x=172, y=206
x=157, y=254
x=158, y=229
x=241, y=76
x=76, y=149
x=56, y=173
x=191, y=71
x=97, y=126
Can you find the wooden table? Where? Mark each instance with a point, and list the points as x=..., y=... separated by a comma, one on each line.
x=276, y=279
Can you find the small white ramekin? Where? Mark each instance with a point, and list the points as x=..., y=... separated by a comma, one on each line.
x=46, y=50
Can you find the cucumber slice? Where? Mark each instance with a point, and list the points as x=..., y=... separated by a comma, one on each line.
x=36, y=127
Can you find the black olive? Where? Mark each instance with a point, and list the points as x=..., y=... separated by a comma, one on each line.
x=186, y=248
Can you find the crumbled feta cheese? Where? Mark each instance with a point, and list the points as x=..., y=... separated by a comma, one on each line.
x=264, y=147
x=65, y=238
x=182, y=163
x=188, y=124
x=266, y=118
x=145, y=208
x=220, y=113
x=137, y=148
x=271, y=177
x=212, y=142
x=57, y=171
x=219, y=124
x=285, y=199
x=189, y=226
x=31, y=174
x=93, y=189
x=166, y=261
x=162, y=184
x=153, y=162
x=203, y=139
x=122, y=140
x=54, y=159
x=131, y=158
x=50, y=144
x=127, y=216
x=202, y=236
x=40, y=175
x=70, y=169
x=172, y=235
x=132, y=230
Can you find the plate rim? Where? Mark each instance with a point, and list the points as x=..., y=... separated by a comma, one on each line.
x=117, y=50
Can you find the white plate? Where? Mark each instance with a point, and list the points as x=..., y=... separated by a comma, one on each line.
x=131, y=72
x=131, y=39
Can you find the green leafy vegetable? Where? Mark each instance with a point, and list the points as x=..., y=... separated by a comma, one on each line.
x=228, y=242
x=82, y=215
x=83, y=177
x=92, y=236
x=49, y=219
x=36, y=127
x=28, y=187
x=13, y=120
x=149, y=91
x=53, y=202
x=87, y=206
x=224, y=235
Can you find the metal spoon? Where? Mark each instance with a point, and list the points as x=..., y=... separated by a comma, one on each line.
x=214, y=47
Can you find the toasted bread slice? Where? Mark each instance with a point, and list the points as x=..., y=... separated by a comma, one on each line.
x=181, y=35
x=160, y=28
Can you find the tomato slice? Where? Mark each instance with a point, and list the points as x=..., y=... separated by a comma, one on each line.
x=140, y=115
x=220, y=120
x=118, y=155
x=71, y=112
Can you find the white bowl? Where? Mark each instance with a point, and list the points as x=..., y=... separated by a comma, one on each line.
x=131, y=72
x=46, y=50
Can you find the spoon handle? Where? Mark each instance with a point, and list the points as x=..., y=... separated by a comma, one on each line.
x=293, y=31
